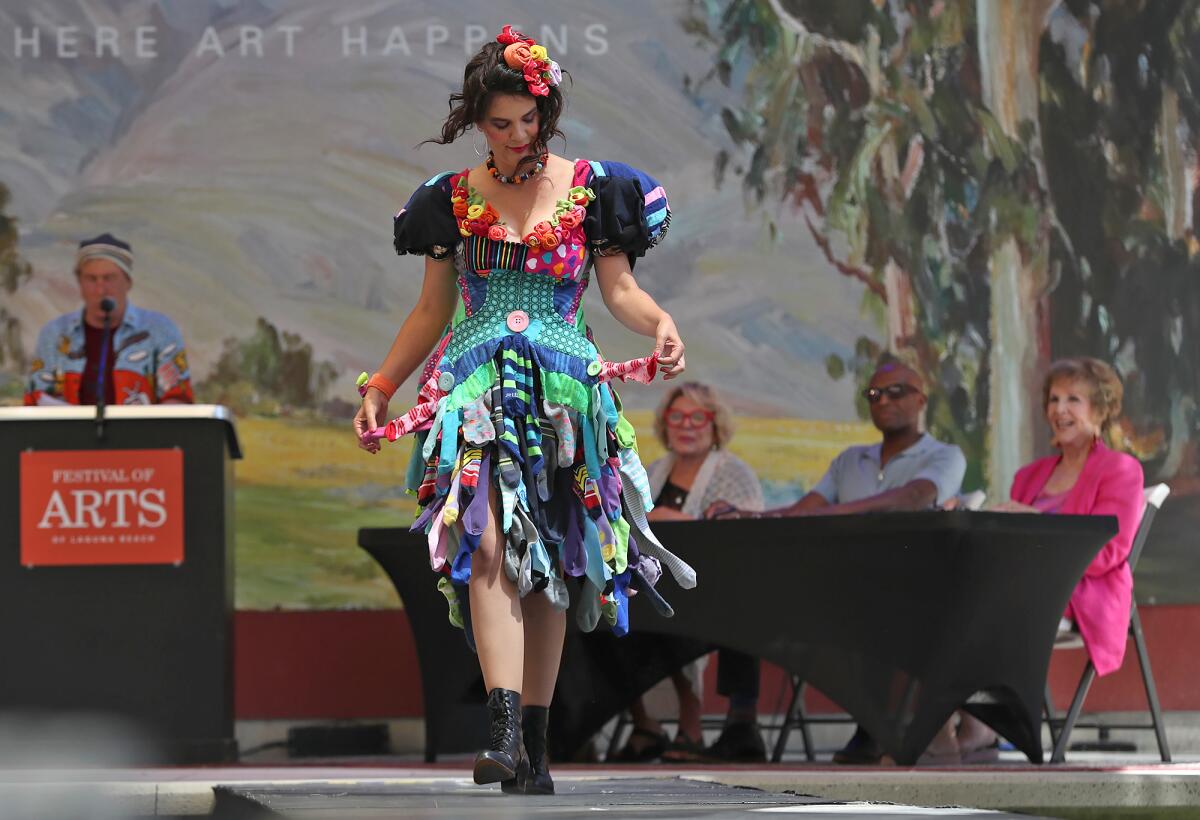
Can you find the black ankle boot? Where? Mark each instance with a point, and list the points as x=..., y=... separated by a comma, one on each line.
x=533, y=776
x=505, y=758
x=534, y=723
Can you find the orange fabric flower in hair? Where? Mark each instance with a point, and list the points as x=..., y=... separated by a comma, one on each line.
x=516, y=55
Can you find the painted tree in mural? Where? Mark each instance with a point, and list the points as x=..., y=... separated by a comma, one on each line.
x=911, y=135
x=267, y=371
x=14, y=271
x=1120, y=116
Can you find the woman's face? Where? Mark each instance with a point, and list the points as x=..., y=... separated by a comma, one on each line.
x=689, y=426
x=1070, y=413
x=511, y=125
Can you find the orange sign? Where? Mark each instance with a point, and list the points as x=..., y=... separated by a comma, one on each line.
x=83, y=507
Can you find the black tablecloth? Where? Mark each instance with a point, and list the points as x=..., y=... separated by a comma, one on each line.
x=898, y=617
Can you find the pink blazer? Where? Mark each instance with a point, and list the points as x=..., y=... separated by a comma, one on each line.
x=1110, y=484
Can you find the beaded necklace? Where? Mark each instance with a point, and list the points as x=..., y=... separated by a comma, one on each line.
x=518, y=179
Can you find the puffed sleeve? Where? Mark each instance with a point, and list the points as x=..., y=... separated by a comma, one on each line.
x=630, y=213
x=426, y=225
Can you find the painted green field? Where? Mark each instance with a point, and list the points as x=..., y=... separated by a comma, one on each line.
x=304, y=489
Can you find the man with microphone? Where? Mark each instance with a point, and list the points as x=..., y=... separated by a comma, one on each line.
x=109, y=352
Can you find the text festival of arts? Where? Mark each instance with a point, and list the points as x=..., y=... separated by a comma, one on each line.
x=74, y=42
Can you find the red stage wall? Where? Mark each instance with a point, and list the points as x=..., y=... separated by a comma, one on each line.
x=338, y=664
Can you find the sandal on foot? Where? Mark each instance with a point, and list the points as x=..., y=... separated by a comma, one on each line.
x=653, y=746
x=684, y=750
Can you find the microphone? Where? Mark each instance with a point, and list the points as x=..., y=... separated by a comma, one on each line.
x=108, y=306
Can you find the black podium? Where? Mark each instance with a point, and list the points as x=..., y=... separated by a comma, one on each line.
x=899, y=617
x=116, y=571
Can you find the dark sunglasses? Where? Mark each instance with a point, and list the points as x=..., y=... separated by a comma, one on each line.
x=696, y=418
x=894, y=392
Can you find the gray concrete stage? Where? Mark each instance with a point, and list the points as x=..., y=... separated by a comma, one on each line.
x=369, y=790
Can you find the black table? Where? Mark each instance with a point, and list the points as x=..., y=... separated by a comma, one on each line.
x=898, y=617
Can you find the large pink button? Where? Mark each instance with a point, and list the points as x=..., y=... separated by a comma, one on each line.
x=518, y=320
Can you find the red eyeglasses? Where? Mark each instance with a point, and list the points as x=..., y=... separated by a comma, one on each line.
x=694, y=418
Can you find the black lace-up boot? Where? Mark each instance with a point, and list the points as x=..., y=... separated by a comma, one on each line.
x=537, y=780
x=505, y=758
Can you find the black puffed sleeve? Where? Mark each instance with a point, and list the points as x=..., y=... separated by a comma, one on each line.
x=629, y=215
x=426, y=225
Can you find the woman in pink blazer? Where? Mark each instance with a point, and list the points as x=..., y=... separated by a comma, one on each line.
x=1082, y=398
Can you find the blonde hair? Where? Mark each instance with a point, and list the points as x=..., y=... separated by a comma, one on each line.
x=1104, y=386
x=708, y=398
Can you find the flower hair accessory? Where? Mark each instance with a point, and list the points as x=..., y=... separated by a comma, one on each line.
x=523, y=54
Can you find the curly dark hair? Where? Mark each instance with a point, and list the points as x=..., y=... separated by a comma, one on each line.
x=487, y=74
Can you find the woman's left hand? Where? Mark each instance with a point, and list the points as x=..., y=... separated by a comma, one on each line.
x=668, y=348
x=1013, y=506
x=723, y=509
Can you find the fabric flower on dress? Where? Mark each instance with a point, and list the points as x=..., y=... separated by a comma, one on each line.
x=581, y=195
x=573, y=218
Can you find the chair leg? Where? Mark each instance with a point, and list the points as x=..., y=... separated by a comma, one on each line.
x=1064, y=735
x=805, y=732
x=786, y=727
x=1051, y=717
x=1139, y=642
x=614, y=743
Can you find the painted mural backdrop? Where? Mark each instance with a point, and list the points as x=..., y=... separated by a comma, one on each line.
x=977, y=185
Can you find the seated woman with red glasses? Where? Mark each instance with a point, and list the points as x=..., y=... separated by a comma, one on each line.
x=697, y=471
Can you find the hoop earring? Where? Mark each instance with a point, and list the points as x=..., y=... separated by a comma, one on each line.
x=475, y=145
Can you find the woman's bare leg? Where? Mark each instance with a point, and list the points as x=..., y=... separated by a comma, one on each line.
x=496, y=610
x=545, y=629
x=689, y=707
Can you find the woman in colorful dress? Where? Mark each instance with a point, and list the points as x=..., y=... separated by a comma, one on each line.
x=525, y=469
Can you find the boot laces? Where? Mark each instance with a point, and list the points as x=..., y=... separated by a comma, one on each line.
x=504, y=726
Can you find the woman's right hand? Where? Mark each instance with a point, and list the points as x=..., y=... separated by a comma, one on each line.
x=371, y=415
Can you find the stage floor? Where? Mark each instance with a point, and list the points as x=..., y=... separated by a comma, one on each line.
x=367, y=789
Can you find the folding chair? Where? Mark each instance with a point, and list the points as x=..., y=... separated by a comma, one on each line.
x=795, y=716
x=1154, y=498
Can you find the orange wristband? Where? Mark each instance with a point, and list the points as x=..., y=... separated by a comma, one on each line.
x=382, y=383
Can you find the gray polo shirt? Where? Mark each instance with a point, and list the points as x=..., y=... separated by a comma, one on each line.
x=855, y=473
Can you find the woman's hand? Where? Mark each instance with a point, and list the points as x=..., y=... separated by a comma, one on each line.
x=371, y=415
x=723, y=509
x=1013, y=506
x=667, y=514
x=668, y=348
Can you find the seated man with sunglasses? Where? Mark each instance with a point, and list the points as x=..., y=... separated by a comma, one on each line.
x=908, y=470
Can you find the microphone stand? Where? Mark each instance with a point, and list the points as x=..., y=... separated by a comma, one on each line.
x=107, y=306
